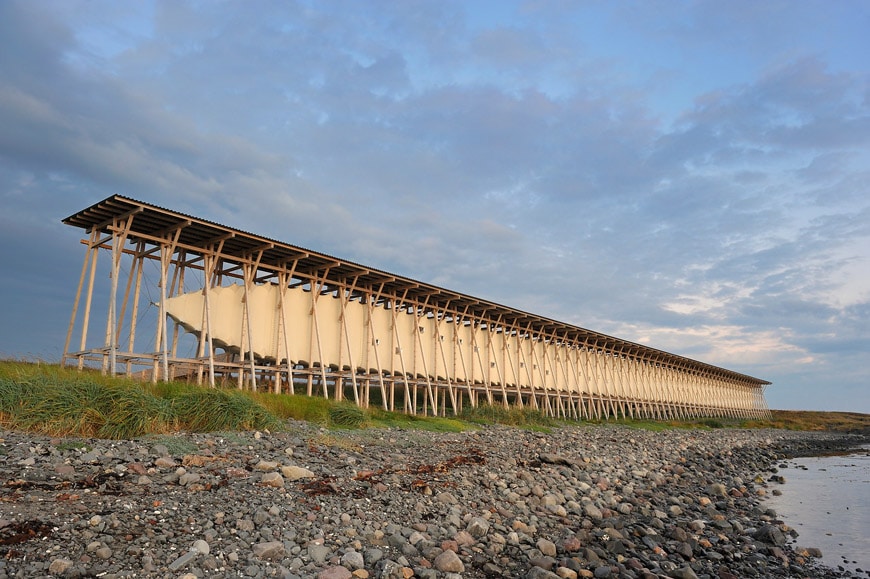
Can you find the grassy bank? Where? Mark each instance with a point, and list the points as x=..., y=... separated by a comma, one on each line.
x=814, y=420
x=48, y=399
x=55, y=401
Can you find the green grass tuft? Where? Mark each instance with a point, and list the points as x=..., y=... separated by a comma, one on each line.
x=347, y=415
x=297, y=407
x=525, y=417
x=63, y=402
x=208, y=410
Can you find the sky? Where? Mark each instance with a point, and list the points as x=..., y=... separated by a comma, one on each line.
x=690, y=175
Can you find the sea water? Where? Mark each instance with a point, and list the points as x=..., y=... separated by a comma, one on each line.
x=826, y=499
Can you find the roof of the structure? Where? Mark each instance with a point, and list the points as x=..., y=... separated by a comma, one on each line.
x=152, y=222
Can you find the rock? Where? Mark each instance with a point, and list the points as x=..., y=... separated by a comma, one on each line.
x=60, y=566
x=539, y=573
x=260, y=517
x=271, y=550
x=200, y=547
x=546, y=547
x=353, y=560
x=478, y=527
x=446, y=498
x=555, y=459
x=592, y=512
x=319, y=553
x=188, y=478
x=603, y=571
x=183, y=561
x=388, y=569
x=770, y=534
x=572, y=544
x=266, y=466
x=502, y=517
x=294, y=473
x=272, y=479
x=449, y=562
x=335, y=572
x=543, y=562
x=464, y=538
x=165, y=462
x=684, y=549
x=683, y=573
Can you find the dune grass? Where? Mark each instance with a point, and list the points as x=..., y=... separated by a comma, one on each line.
x=61, y=402
x=813, y=420
x=525, y=417
x=48, y=399
x=55, y=401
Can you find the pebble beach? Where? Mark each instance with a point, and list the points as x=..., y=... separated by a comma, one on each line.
x=586, y=501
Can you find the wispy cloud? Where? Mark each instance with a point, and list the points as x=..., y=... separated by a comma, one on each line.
x=690, y=176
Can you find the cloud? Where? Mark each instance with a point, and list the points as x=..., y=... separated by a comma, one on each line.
x=695, y=176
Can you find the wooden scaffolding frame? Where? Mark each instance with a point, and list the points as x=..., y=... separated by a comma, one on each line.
x=511, y=357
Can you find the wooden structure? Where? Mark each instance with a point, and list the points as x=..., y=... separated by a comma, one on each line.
x=266, y=314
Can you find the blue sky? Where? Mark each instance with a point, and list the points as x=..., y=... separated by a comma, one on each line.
x=693, y=176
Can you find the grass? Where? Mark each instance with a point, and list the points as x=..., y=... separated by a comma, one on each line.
x=298, y=407
x=61, y=402
x=813, y=420
x=55, y=401
x=805, y=420
x=74, y=445
x=525, y=417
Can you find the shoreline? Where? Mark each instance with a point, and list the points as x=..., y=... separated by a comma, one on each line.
x=585, y=501
x=825, y=499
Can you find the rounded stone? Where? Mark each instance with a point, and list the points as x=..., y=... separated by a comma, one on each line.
x=293, y=472
x=449, y=562
x=335, y=572
x=59, y=566
x=200, y=547
x=272, y=479
x=546, y=547
x=353, y=560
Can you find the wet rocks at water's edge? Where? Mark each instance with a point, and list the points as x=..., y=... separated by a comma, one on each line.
x=589, y=501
